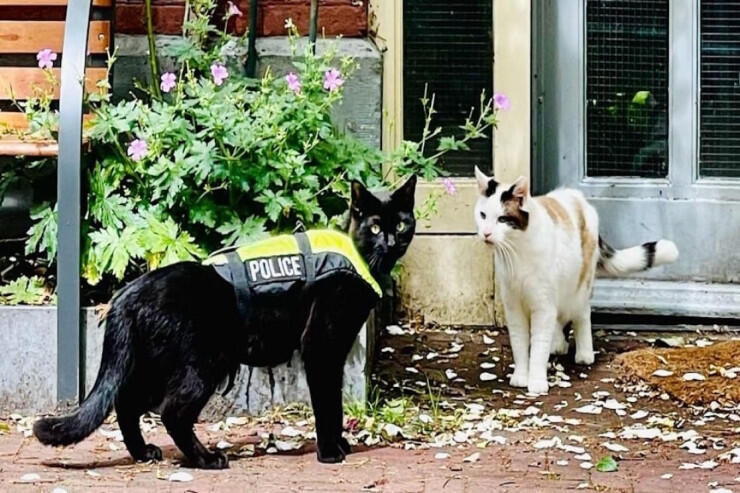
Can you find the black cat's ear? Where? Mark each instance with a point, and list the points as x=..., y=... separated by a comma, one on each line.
x=404, y=195
x=362, y=200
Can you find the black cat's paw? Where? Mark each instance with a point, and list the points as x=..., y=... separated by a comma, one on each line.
x=214, y=460
x=150, y=453
x=331, y=454
x=344, y=446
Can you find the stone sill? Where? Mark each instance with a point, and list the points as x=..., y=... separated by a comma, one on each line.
x=28, y=373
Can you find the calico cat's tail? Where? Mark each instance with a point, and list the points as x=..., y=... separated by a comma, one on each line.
x=637, y=258
x=115, y=364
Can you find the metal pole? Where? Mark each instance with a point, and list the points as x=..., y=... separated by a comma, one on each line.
x=69, y=358
x=251, y=67
x=313, y=24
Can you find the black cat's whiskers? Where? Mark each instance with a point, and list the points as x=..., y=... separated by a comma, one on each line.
x=375, y=261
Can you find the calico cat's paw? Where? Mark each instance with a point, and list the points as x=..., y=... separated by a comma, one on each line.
x=332, y=453
x=559, y=346
x=538, y=386
x=518, y=379
x=585, y=358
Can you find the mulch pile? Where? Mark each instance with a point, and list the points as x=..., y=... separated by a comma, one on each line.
x=715, y=363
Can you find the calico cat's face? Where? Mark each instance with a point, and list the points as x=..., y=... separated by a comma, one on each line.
x=501, y=211
x=382, y=225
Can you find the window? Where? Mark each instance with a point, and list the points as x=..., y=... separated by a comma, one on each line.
x=627, y=88
x=719, y=125
x=449, y=46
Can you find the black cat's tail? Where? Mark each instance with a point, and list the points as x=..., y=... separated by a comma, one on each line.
x=115, y=364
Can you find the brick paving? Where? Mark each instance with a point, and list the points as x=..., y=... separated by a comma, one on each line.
x=101, y=464
x=92, y=466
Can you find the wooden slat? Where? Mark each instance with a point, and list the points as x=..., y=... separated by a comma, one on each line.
x=16, y=120
x=19, y=82
x=49, y=3
x=34, y=36
x=13, y=146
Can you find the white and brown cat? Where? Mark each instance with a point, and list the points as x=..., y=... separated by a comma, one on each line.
x=547, y=252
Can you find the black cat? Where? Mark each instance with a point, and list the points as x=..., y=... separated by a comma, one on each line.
x=175, y=333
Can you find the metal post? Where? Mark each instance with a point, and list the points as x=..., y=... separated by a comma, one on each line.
x=70, y=361
x=313, y=24
x=251, y=68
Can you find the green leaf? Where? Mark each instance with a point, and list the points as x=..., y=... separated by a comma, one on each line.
x=163, y=243
x=607, y=464
x=25, y=291
x=451, y=144
x=237, y=231
x=43, y=234
x=111, y=209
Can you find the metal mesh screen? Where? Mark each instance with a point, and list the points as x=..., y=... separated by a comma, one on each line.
x=627, y=88
x=449, y=46
x=720, y=89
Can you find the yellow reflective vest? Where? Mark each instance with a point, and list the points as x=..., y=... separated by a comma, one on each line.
x=276, y=264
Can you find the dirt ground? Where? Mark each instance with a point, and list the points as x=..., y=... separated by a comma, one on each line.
x=506, y=441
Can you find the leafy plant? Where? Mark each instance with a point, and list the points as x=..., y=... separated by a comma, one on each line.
x=211, y=158
x=25, y=291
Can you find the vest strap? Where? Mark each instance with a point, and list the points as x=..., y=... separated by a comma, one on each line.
x=241, y=285
x=304, y=245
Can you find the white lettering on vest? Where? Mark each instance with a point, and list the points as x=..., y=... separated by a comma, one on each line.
x=274, y=268
x=264, y=269
x=254, y=267
x=273, y=272
x=286, y=266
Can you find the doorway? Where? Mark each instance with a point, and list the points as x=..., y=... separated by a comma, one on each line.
x=637, y=104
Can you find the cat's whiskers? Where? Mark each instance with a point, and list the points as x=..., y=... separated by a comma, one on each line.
x=507, y=254
x=374, y=261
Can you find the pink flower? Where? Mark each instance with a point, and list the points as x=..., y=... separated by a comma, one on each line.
x=353, y=425
x=294, y=84
x=501, y=101
x=137, y=149
x=333, y=79
x=219, y=73
x=168, y=81
x=234, y=10
x=46, y=58
x=449, y=186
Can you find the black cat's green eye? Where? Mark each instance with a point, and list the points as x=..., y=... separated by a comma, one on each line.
x=401, y=227
x=482, y=215
x=375, y=229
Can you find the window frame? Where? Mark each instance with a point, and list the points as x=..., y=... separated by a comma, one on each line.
x=683, y=181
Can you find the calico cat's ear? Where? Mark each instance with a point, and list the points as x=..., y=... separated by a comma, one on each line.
x=362, y=200
x=486, y=185
x=404, y=195
x=520, y=190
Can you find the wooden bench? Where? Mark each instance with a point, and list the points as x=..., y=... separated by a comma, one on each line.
x=20, y=41
x=80, y=32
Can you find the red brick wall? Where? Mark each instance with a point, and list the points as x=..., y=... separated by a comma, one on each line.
x=345, y=17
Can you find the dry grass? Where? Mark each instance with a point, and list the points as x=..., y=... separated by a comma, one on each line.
x=711, y=361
